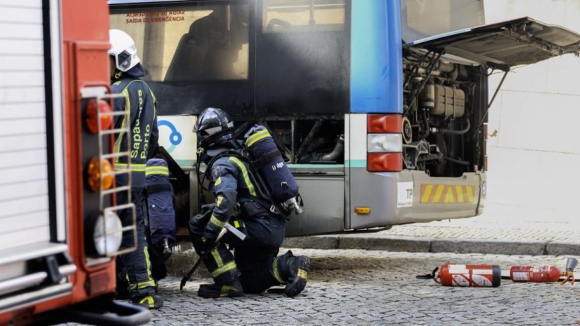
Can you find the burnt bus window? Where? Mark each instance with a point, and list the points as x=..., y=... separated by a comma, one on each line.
x=303, y=15
x=303, y=57
x=200, y=42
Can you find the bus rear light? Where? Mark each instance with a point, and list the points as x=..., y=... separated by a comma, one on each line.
x=92, y=115
x=100, y=172
x=385, y=162
x=377, y=123
x=384, y=143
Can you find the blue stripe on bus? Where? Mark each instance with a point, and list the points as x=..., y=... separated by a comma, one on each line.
x=376, y=83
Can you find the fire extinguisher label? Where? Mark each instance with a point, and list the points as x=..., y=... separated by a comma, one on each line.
x=460, y=280
x=483, y=271
x=480, y=280
x=474, y=280
x=458, y=269
x=520, y=276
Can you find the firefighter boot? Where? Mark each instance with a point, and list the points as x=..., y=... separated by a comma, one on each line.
x=230, y=290
x=293, y=271
x=152, y=301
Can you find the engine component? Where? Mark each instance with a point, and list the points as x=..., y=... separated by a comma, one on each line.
x=443, y=100
x=407, y=131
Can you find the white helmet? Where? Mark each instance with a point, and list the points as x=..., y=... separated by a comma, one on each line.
x=123, y=49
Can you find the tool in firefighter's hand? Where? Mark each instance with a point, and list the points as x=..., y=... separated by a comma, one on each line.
x=198, y=262
x=227, y=227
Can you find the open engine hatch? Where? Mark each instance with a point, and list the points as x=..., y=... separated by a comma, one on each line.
x=506, y=44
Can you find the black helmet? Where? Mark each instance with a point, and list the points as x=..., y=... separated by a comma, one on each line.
x=213, y=127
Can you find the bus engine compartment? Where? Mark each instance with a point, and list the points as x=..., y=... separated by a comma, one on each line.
x=442, y=114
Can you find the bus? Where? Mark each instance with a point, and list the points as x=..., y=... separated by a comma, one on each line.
x=377, y=132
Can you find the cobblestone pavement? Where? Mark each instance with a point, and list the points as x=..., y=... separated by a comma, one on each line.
x=358, y=287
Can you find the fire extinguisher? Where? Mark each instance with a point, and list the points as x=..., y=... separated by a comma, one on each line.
x=466, y=275
x=529, y=273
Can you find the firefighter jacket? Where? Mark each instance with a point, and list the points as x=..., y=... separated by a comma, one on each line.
x=232, y=184
x=141, y=142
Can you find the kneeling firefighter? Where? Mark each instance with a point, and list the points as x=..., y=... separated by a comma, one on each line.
x=253, y=266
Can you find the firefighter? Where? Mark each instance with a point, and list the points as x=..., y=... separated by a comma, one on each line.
x=252, y=267
x=133, y=269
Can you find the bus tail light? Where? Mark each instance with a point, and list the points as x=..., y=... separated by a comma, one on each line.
x=378, y=123
x=385, y=162
x=384, y=143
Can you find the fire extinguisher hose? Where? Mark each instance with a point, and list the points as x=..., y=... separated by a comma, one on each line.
x=430, y=276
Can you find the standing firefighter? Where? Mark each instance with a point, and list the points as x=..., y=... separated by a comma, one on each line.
x=134, y=271
x=253, y=267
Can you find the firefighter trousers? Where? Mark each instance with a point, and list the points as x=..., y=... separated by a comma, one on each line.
x=251, y=259
x=134, y=267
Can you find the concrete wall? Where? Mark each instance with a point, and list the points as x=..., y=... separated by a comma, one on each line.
x=534, y=158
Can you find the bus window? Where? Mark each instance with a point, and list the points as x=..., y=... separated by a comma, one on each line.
x=303, y=15
x=200, y=42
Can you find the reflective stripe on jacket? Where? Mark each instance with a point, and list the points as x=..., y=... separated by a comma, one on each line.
x=144, y=135
x=231, y=184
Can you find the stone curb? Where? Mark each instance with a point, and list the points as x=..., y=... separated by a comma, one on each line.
x=417, y=244
x=181, y=262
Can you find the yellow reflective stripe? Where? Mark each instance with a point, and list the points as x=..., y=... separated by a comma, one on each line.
x=438, y=193
x=427, y=194
x=218, y=181
x=161, y=170
x=236, y=224
x=134, y=167
x=225, y=268
x=219, y=200
x=469, y=193
x=276, y=272
x=150, y=282
x=257, y=136
x=244, y=175
x=215, y=221
x=122, y=133
x=459, y=194
x=217, y=258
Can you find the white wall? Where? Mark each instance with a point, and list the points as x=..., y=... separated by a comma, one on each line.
x=535, y=158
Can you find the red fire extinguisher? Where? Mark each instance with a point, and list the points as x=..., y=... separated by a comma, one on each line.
x=466, y=275
x=529, y=273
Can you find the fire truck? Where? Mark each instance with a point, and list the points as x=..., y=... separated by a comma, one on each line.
x=60, y=229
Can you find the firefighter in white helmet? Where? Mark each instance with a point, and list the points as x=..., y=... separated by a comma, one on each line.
x=134, y=273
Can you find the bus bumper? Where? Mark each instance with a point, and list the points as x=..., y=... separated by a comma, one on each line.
x=414, y=197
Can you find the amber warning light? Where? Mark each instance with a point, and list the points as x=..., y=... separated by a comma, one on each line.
x=100, y=171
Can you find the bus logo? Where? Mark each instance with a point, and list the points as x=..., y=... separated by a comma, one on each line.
x=446, y=194
x=174, y=138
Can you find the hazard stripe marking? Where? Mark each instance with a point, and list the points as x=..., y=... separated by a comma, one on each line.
x=446, y=194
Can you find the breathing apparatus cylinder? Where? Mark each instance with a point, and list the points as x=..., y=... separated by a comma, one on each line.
x=469, y=275
x=269, y=162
